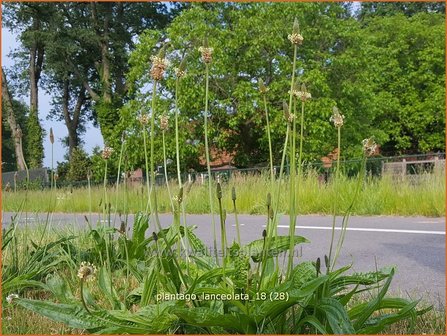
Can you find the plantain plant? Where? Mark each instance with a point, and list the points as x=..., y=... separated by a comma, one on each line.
x=247, y=290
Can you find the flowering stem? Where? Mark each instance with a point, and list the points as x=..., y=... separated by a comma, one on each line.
x=338, y=152
x=335, y=186
x=272, y=178
x=348, y=212
x=207, y=155
x=177, y=144
x=83, y=299
x=292, y=214
x=148, y=205
x=292, y=193
x=166, y=171
x=179, y=176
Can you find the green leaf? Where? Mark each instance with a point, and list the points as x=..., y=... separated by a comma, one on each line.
x=72, y=315
x=277, y=245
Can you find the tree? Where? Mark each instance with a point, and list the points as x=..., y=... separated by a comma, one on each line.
x=32, y=21
x=12, y=135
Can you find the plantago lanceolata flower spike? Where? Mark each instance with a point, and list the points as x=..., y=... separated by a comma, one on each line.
x=180, y=72
x=179, y=197
x=337, y=118
x=295, y=38
x=51, y=135
x=164, y=122
x=271, y=213
x=144, y=119
x=219, y=191
x=159, y=64
x=269, y=200
x=326, y=261
x=369, y=146
x=11, y=297
x=262, y=88
x=233, y=193
x=87, y=271
x=264, y=233
x=107, y=152
x=318, y=265
x=155, y=236
x=206, y=51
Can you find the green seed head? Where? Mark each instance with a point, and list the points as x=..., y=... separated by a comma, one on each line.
x=326, y=261
x=233, y=194
x=318, y=265
x=262, y=88
x=219, y=191
x=269, y=200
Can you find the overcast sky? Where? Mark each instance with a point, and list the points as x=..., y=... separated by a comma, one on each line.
x=92, y=137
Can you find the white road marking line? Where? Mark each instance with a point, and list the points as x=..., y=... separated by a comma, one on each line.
x=241, y=224
x=364, y=229
x=429, y=222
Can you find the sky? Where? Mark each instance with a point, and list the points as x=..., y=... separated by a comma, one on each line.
x=92, y=137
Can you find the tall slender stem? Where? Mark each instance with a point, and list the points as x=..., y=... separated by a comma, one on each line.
x=177, y=144
x=292, y=214
x=272, y=177
x=335, y=186
x=166, y=172
x=153, y=190
x=207, y=155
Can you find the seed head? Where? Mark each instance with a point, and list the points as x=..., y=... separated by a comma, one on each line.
x=326, y=261
x=180, y=71
x=207, y=52
x=219, y=191
x=155, y=236
x=296, y=38
x=262, y=88
x=233, y=194
x=269, y=200
x=159, y=65
x=164, y=122
x=318, y=265
x=107, y=152
x=301, y=93
x=11, y=297
x=337, y=118
x=51, y=135
x=264, y=233
x=87, y=271
x=370, y=147
x=271, y=214
x=291, y=117
x=144, y=119
x=179, y=197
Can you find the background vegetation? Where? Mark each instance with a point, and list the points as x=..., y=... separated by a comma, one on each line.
x=382, y=64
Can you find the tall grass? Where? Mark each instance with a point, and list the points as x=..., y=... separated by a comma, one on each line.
x=425, y=196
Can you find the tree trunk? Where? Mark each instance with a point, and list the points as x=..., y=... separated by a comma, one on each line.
x=72, y=119
x=15, y=128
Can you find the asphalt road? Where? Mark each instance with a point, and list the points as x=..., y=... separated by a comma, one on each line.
x=415, y=245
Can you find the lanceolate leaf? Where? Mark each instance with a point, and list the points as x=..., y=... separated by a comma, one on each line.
x=277, y=245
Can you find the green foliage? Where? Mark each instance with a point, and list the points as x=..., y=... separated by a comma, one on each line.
x=34, y=145
x=386, y=75
x=79, y=165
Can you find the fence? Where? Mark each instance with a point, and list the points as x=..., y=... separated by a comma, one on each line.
x=397, y=167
